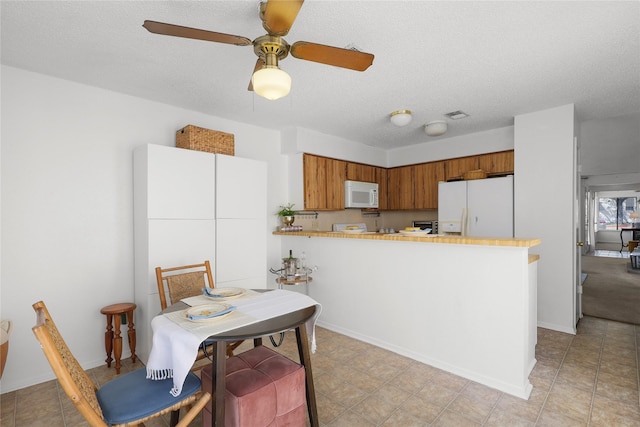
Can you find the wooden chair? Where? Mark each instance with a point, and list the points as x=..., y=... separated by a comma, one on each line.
x=188, y=281
x=182, y=282
x=128, y=400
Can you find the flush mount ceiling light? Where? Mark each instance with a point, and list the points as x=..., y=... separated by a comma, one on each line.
x=401, y=117
x=271, y=82
x=436, y=128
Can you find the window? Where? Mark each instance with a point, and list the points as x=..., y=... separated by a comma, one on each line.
x=614, y=213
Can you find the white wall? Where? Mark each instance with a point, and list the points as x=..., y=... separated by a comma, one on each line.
x=543, y=204
x=493, y=140
x=67, y=212
x=610, y=146
x=66, y=181
x=301, y=140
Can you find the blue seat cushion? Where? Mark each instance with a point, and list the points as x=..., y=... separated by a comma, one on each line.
x=133, y=396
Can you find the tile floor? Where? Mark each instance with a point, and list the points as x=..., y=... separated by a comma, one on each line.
x=610, y=250
x=609, y=254
x=590, y=379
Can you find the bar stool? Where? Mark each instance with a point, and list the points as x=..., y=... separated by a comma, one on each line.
x=112, y=338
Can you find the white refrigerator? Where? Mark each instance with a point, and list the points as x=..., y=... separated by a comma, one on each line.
x=482, y=207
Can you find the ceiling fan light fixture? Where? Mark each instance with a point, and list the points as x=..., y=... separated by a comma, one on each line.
x=436, y=128
x=271, y=82
x=401, y=117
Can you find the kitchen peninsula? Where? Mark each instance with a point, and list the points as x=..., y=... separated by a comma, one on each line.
x=466, y=305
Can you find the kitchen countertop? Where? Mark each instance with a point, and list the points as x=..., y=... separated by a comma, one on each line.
x=451, y=239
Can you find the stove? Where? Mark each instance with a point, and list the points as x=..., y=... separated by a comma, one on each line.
x=341, y=227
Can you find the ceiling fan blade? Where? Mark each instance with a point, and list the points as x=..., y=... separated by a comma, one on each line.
x=259, y=66
x=279, y=15
x=194, y=33
x=345, y=58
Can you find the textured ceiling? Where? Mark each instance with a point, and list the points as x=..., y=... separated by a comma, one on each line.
x=493, y=60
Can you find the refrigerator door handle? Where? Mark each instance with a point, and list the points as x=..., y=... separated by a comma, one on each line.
x=464, y=228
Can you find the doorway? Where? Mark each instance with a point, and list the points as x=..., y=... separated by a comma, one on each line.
x=609, y=290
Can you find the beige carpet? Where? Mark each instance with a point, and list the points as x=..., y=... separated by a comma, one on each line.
x=610, y=291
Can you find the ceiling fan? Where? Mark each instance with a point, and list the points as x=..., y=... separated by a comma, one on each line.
x=277, y=18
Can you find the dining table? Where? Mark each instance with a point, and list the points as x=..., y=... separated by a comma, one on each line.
x=253, y=315
x=634, y=236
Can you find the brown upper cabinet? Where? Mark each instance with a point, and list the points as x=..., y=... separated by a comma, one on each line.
x=426, y=178
x=455, y=168
x=415, y=186
x=400, y=194
x=498, y=163
x=399, y=188
x=323, y=182
x=336, y=176
x=360, y=172
x=382, y=180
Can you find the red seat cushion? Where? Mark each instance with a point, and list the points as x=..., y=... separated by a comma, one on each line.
x=264, y=388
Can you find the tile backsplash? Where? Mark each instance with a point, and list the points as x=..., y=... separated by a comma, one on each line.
x=386, y=219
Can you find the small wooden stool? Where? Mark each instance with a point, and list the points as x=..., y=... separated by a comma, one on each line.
x=112, y=338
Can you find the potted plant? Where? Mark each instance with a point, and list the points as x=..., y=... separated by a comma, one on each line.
x=286, y=213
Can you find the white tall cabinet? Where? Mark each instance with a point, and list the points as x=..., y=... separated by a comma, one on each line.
x=190, y=206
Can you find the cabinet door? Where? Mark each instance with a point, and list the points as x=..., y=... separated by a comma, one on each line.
x=455, y=168
x=241, y=187
x=174, y=242
x=381, y=179
x=360, y=172
x=400, y=188
x=497, y=163
x=241, y=247
x=315, y=182
x=336, y=175
x=324, y=182
x=427, y=176
x=180, y=183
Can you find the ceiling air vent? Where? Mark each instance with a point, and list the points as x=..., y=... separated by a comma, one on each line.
x=457, y=115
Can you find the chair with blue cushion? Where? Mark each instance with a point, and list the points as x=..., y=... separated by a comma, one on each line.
x=129, y=399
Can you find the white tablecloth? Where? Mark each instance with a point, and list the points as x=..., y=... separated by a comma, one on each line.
x=176, y=339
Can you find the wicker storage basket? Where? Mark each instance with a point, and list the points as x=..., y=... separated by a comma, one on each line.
x=201, y=139
x=474, y=174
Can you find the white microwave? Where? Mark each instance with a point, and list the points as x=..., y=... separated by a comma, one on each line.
x=359, y=194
